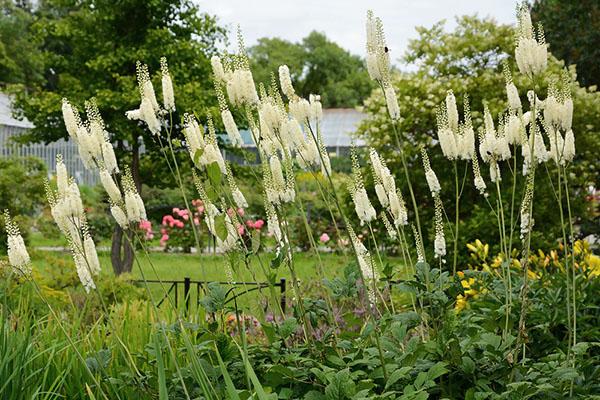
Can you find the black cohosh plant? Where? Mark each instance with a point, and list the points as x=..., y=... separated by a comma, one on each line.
x=379, y=331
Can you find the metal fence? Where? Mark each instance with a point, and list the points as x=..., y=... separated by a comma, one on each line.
x=47, y=152
x=189, y=286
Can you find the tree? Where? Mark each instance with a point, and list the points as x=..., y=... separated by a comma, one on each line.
x=469, y=60
x=317, y=66
x=572, y=29
x=90, y=50
x=21, y=191
x=20, y=56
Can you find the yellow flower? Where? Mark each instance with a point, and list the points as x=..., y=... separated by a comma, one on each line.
x=461, y=303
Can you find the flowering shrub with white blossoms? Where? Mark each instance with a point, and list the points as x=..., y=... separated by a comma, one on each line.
x=286, y=131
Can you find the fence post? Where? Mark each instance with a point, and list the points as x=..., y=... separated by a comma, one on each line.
x=282, y=289
x=186, y=292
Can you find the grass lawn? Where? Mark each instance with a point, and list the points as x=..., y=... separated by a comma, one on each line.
x=177, y=266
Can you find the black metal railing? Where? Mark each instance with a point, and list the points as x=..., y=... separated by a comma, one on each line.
x=190, y=285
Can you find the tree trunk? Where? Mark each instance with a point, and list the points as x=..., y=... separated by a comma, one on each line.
x=122, y=252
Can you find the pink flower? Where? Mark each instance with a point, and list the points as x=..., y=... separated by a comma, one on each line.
x=241, y=212
x=178, y=224
x=163, y=231
x=164, y=238
x=146, y=225
x=240, y=229
x=324, y=238
x=230, y=212
x=200, y=209
x=250, y=223
x=149, y=235
x=259, y=224
x=196, y=221
x=175, y=210
x=185, y=216
x=167, y=219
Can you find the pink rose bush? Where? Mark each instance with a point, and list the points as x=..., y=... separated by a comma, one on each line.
x=176, y=228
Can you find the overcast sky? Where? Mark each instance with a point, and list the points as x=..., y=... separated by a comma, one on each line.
x=343, y=20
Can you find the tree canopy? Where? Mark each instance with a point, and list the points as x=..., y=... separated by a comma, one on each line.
x=91, y=49
x=317, y=66
x=564, y=20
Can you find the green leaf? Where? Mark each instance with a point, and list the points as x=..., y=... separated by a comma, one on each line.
x=341, y=386
x=468, y=365
x=276, y=262
x=288, y=327
x=221, y=227
x=214, y=174
x=436, y=371
x=397, y=375
x=230, y=387
x=197, y=156
x=160, y=365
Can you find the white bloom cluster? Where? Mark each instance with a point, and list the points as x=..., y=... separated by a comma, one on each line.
x=149, y=108
x=430, y=176
x=478, y=180
x=134, y=205
x=362, y=205
x=279, y=189
x=285, y=80
x=207, y=145
x=236, y=193
x=457, y=140
x=94, y=148
x=71, y=118
x=300, y=109
x=218, y=70
x=531, y=52
x=392, y=102
x=167, y=86
x=558, y=109
x=493, y=145
x=558, y=115
x=316, y=108
x=378, y=58
x=240, y=87
x=236, y=77
x=193, y=133
x=213, y=216
x=18, y=257
x=439, y=244
x=231, y=128
x=68, y=213
x=389, y=197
